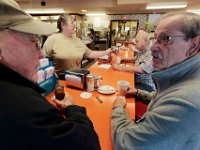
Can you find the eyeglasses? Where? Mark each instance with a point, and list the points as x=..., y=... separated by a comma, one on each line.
x=164, y=40
x=35, y=39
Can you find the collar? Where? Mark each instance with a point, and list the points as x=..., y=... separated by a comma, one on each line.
x=65, y=36
x=180, y=72
x=8, y=75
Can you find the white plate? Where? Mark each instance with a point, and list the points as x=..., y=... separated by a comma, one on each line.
x=106, y=89
x=106, y=66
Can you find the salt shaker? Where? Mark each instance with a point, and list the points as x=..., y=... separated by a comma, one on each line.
x=90, y=81
x=97, y=81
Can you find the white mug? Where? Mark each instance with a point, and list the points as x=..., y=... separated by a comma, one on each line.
x=123, y=86
x=118, y=60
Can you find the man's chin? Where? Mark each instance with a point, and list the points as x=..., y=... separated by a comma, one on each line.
x=34, y=78
x=156, y=67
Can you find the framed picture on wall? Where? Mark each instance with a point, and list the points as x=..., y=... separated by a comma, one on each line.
x=122, y=30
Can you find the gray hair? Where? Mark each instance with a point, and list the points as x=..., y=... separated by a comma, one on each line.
x=191, y=22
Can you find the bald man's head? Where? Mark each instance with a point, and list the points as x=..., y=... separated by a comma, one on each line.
x=143, y=34
x=142, y=40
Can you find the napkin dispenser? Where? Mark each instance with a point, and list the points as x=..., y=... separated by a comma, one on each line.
x=76, y=79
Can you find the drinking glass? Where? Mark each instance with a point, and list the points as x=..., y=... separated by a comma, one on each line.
x=59, y=92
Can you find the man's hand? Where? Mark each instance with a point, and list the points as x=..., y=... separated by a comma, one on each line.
x=120, y=101
x=68, y=100
x=132, y=92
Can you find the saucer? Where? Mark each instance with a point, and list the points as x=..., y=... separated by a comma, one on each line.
x=106, y=89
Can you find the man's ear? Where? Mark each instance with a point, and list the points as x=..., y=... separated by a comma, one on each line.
x=194, y=46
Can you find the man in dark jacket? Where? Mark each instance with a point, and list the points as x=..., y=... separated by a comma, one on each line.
x=28, y=121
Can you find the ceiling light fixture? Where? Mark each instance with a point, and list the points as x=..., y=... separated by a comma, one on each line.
x=197, y=11
x=45, y=11
x=100, y=14
x=166, y=6
x=83, y=10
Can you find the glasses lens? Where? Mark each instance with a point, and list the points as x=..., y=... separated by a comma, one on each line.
x=163, y=40
x=36, y=40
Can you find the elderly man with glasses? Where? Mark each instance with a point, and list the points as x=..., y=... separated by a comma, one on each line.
x=172, y=119
x=28, y=121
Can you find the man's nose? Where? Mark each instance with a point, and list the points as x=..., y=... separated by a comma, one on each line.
x=41, y=54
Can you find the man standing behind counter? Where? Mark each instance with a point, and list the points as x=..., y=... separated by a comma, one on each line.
x=28, y=121
x=172, y=119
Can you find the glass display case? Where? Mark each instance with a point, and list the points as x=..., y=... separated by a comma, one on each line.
x=123, y=30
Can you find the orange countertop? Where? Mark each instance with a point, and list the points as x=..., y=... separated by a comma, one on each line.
x=100, y=113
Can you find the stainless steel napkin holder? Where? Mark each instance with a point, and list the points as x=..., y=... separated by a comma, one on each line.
x=76, y=79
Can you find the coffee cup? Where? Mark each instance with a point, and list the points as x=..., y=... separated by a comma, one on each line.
x=118, y=59
x=123, y=86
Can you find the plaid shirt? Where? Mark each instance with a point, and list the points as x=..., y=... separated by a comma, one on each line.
x=144, y=61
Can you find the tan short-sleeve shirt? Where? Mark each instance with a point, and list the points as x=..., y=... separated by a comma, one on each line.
x=66, y=52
